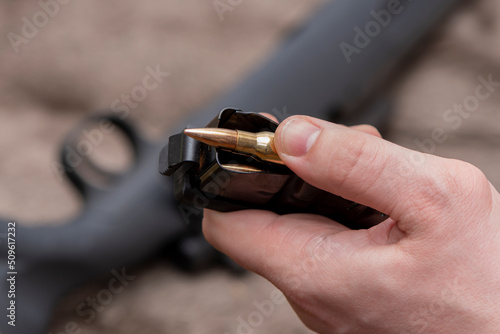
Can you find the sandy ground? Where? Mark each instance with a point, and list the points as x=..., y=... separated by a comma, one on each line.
x=91, y=52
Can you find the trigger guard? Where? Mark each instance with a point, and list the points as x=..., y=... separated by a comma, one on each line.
x=72, y=160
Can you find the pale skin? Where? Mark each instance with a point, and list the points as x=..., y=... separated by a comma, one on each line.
x=432, y=267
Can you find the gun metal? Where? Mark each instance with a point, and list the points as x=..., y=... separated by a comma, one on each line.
x=259, y=145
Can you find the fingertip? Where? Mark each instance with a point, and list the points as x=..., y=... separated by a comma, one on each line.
x=224, y=229
x=296, y=136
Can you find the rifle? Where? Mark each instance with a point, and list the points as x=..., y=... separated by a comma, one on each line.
x=331, y=69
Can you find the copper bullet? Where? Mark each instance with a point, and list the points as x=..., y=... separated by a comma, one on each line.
x=259, y=145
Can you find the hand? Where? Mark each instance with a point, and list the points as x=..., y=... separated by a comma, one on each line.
x=433, y=267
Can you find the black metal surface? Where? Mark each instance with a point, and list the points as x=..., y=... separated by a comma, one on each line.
x=136, y=214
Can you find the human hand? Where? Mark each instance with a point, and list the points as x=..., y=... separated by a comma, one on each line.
x=433, y=267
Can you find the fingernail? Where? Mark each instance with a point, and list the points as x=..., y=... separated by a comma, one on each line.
x=298, y=136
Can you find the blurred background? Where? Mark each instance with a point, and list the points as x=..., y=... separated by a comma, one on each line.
x=90, y=53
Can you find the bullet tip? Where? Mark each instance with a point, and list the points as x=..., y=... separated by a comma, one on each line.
x=220, y=138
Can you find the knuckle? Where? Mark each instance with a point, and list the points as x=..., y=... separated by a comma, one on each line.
x=315, y=251
x=355, y=164
x=313, y=256
x=464, y=180
x=457, y=186
x=470, y=186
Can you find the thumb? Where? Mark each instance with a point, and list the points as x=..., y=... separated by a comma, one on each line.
x=402, y=183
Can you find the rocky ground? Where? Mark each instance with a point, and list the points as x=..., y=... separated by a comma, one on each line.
x=91, y=52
